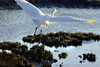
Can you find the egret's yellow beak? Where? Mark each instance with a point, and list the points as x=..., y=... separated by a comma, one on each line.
x=91, y=21
x=55, y=10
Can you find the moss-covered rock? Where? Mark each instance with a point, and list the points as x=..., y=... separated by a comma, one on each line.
x=61, y=38
x=15, y=47
x=63, y=55
x=9, y=45
x=38, y=54
x=89, y=56
x=12, y=60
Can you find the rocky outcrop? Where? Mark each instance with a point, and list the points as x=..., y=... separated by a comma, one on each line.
x=36, y=53
x=12, y=60
x=61, y=38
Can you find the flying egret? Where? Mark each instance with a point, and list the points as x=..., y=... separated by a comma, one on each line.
x=43, y=23
x=36, y=13
x=43, y=20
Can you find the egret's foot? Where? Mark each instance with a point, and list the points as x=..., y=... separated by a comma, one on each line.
x=35, y=51
x=39, y=42
x=34, y=35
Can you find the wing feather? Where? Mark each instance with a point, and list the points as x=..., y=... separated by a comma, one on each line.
x=35, y=12
x=29, y=8
x=63, y=19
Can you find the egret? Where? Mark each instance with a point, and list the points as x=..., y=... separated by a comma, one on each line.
x=43, y=20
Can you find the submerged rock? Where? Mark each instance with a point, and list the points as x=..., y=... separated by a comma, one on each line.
x=61, y=38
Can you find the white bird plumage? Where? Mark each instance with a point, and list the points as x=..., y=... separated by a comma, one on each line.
x=43, y=20
x=35, y=12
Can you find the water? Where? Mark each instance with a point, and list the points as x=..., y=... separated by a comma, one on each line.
x=15, y=24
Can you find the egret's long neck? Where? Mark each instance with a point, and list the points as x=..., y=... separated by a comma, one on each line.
x=53, y=13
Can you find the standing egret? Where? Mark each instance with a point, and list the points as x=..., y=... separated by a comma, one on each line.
x=43, y=20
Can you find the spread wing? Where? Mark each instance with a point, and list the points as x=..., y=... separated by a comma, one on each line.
x=35, y=12
x=63, y=19
x=29, y=8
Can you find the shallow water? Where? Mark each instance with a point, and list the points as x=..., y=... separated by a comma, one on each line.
x=14, y=24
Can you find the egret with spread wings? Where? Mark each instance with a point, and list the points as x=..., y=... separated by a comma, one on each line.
x=43, y=20
x=35, y=12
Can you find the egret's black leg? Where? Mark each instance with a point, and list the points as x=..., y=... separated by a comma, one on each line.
x=39, y=41
x=34, y=33
x=41, y=34
x=35, y=30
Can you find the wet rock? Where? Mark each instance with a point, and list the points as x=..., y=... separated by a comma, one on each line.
x=56, y=51
x=12, y=60
x=89, y=56
x=61, y=38
x=63, y=55
x=46, y=65
x=84, y=56
x=15, y=47
x=60, y=65
x=9, y=45
x=80, y=56
x=80, y=61
x=54, y=60
x=38, y=54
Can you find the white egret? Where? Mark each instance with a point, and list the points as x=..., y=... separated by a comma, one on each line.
x=36, y=13
x=43, y=20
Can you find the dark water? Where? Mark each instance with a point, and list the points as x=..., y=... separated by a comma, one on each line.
x=14, y=24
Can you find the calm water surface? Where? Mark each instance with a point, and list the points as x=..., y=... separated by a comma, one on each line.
x=14, y=24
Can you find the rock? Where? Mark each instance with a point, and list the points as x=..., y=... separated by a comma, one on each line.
x=12, y=60
x=80, y=56
x=63, y=55
x=9, y=45
x=89, y=56
x=61, y=39
x=38, y=54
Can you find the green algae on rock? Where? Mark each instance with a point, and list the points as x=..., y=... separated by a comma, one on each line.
x=38, y=54
x=15, y=47
x=89, y=56
x=12, y=60
x=61, y=38
x=9, y=45
x=63, y=55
